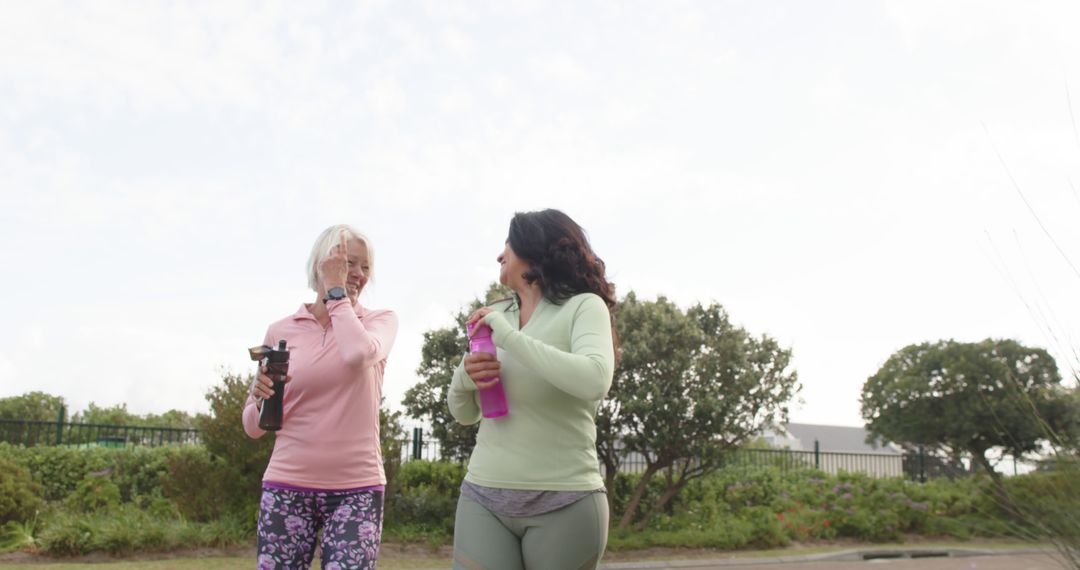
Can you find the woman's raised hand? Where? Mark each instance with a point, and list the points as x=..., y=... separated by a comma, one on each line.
x=476, y=316
x=482, y=367
x=334, y=270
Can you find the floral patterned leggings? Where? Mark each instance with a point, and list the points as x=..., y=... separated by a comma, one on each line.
x=289, y=520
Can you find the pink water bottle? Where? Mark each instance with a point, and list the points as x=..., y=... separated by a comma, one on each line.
x=493, y=398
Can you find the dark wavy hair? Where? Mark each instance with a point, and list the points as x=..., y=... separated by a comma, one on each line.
x=560, y=259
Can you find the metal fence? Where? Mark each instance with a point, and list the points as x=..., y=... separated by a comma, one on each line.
x=873, y=464
x=32, y=433
x=419, y=445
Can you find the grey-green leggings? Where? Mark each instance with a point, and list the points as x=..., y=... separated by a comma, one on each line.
x=573, y=537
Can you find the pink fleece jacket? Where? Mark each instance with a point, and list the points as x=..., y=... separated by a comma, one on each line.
x=330, y=427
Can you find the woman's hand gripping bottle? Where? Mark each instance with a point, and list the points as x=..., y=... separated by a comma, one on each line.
x=493, y=397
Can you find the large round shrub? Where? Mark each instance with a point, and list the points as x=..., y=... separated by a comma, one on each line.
x=94, y=493
x=18, y=493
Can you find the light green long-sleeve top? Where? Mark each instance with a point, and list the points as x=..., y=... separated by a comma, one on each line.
x=555, y=370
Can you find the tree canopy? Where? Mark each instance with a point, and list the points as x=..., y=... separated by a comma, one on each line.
x=441, y=352
x=969, y=398
x=691, y=386
x=35, y=406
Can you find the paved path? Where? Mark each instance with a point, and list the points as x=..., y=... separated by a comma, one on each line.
x=1010, y=561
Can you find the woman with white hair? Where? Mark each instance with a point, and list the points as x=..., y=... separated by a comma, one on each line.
x=326, y=468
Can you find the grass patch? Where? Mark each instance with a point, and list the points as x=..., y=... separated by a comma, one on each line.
x=127, y=530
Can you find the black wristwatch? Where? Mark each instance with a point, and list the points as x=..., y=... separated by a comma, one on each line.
x=334, y=294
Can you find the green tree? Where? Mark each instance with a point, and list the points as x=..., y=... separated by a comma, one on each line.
x=113, y=415
x=442, y=350
x=690, y=387
x=119, y=415
x=172, y=418
x=31, y=406
x=656, y=343
x=1070, y=441
x=969, y=398
x=224, y=436
x=36, y=406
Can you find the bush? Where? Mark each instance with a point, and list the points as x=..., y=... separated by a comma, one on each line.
x=771, y=507
x=726, y=537
x=94, y=493
x=161, y=498
x=18, y=493
x=16, y=535
x=58, y=470
x=129, y=529
x=425, y=498
x=224, y=436
x=137, y=471
x=203, y=487
x=206, y=488
x=438, y=476
x=392, y=435
x=1044, y=506
x=763, y=507
x=623, y=490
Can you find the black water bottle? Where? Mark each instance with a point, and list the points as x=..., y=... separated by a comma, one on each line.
x=277, y=366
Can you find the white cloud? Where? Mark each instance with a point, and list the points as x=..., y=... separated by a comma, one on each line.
x=622, y=113
x=9, y=375
x=458, y=43
x=559, y=67
x=387, y=98
x=35, y=337
x=173, y=162
x=458, y=100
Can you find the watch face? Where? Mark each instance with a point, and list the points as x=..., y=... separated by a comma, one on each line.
x=336, y=293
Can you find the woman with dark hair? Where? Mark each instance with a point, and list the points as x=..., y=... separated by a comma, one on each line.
x=533, y=496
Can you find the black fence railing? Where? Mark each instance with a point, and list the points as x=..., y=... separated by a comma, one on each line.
x=33, y=433
x=873, y=464
x=419, y=445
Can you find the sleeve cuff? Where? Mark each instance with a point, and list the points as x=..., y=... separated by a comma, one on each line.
x=334, y=304
x=500, y=328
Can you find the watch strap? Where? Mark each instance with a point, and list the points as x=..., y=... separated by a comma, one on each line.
x=334, y=294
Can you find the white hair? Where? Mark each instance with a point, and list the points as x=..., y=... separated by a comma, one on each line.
x=324, y=246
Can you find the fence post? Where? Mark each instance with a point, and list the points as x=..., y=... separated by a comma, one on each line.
x=60, y=425
x=817, y=455
x=922, y=464
x=417, y=443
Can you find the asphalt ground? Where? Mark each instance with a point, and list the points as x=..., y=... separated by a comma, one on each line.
x=947, y=560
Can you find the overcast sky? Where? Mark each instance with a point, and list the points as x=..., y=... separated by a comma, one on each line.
x=836, y=174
